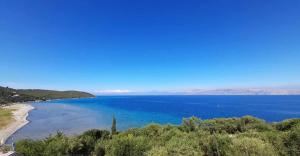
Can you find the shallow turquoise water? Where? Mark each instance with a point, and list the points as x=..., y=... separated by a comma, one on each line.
x=73, y=116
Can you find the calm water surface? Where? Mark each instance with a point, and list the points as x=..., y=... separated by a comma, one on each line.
x=74, y=116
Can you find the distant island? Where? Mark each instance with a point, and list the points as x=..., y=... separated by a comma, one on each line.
x=10, y=95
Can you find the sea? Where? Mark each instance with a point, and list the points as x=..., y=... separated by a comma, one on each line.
x=73, y=116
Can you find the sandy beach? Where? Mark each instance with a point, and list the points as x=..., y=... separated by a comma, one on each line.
x=20, y=113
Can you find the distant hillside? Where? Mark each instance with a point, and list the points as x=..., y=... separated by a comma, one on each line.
x=245, y=91
x=9, y=95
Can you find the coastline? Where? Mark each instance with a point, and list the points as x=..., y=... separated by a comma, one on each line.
x=20, y=114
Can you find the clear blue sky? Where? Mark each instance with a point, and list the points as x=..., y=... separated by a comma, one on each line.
x=149, y=44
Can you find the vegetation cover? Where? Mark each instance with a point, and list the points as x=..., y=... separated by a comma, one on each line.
x=9, y=95
x=246, y=136
x=6, y=117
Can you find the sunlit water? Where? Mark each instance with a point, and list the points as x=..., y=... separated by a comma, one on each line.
x=74, y=116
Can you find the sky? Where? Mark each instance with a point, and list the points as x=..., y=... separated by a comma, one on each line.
x=121, y=46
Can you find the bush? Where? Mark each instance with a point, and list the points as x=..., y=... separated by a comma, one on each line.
x=157, y=151
x=234, y=125
x=251, y=147
x=96, y=134
x=29, y=147
x=58, y=145
x=127, y=146
x=184, y=145
x=85, y=143
x=99, y=149
x=292, y=141
x=216, y=145
x=287, y=124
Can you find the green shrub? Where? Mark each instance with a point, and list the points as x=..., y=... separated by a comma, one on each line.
x=184, y=145
x=30, y=148
x=244, y=146
x=58, y=145
x=127, y=146
x=235, y=125
x=216, y=145
x=287, y=124
x=99, y=149
x=157, y=151
x=85, y=143
x=96, y=134
x=292, y=141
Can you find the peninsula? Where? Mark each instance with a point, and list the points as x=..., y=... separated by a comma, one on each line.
x=10, y=95
x=14, y=112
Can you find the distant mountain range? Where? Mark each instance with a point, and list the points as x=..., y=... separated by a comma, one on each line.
x=10, y=95
x=243, y=91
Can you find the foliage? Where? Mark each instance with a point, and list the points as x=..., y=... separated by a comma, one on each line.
x=292, y=141
x=216, y=145
x=287, y=124
x=127, y=145
x=30, y=148
x=246, y=136
x=99, y=149
x=251, y=147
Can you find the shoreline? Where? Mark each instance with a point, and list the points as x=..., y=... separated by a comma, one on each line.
x=20, y=114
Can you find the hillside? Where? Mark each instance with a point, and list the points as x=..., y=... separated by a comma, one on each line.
x=9, y=95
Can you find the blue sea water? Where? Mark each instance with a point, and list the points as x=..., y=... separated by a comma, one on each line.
x=73, y=116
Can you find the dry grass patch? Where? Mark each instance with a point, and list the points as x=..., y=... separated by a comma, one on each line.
x=6, y=117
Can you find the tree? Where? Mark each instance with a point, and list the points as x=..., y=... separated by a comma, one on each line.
x=114, y=126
